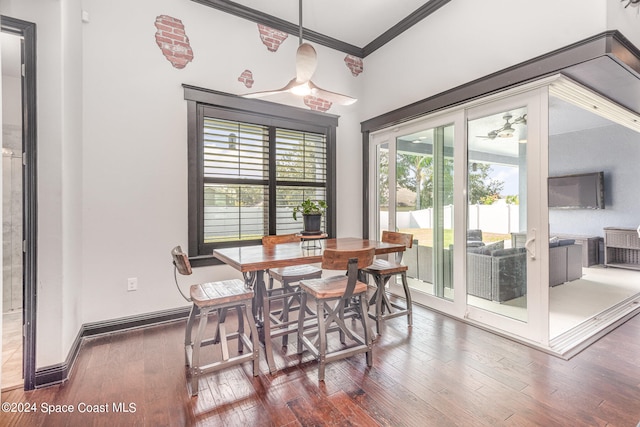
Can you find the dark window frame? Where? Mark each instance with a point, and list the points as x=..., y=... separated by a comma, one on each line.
x=232, y=107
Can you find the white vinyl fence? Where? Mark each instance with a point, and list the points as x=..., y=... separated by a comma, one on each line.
x=496, y=218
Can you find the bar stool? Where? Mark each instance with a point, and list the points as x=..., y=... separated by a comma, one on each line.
x=334, y=297
x=216, y=298
x=382, y=271
x=276, y=320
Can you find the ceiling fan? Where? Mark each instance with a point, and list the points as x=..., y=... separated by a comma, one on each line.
x=301, y=84
x=507, y=130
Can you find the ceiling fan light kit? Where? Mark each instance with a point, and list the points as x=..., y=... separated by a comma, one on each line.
x=507, y=130
x=301, y=84
x=301, y=90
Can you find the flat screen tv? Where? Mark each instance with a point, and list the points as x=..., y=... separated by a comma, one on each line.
x=581, y=191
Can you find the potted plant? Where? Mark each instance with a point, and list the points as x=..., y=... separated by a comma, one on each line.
x=312, y=211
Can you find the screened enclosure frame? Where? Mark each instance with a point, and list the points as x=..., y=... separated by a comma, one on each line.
x=274, y=119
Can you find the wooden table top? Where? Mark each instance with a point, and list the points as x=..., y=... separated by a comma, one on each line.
x=258, y=257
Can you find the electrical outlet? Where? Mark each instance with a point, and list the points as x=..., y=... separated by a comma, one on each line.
x=132, y=284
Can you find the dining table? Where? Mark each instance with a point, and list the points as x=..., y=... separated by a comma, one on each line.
x=253, y=261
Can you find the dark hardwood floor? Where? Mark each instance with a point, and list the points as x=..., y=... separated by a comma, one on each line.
x=439, y=373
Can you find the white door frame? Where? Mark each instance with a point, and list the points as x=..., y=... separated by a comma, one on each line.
x=536, y=327
x=535, y=97
x=388, y=136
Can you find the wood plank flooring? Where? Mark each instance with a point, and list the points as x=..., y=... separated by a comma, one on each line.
x=441, y=372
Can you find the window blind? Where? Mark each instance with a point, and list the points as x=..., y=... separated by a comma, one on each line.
x=237, y=182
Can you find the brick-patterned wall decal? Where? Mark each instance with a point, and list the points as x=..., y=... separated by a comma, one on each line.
x=173, y=41
x=246, y=78
x=317, y=104
x=271, y=38
x=354, y=64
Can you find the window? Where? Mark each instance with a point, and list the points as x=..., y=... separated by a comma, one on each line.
x=248, y=169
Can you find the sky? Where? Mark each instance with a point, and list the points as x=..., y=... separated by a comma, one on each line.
x=508, y=175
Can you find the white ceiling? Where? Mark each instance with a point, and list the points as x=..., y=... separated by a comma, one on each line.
x=564, y=117
x=357, y=22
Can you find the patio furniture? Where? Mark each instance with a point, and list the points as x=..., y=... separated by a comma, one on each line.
x=496, y=274
x=565, y=261
x=334, y=303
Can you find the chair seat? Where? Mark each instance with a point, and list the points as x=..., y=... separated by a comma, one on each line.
x=331, y=287
x=223, y=292
x=295, y=273
x=383, y=267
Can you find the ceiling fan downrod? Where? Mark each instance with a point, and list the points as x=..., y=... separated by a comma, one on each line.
x=300, y=21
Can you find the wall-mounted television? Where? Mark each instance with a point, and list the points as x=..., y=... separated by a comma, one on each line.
x=580, y=191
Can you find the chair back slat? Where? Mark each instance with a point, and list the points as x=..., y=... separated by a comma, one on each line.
x=282, y=238
x=181, y=261
x=395, y=237
x=352, y=261
x=335, y=259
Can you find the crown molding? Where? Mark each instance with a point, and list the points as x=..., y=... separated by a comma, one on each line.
x=402, y=26
x=249, y=14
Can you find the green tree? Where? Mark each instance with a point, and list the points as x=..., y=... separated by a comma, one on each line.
x=415, y=172
x=383, y=178
x=513, y=200
x=482, y=188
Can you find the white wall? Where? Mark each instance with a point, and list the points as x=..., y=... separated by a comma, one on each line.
x=11, y=112
x=469, y=39
x=72, y=150
x=627, y=21
x=615, y=150
x=55, y=324
x=112, y=171
x=135, y=151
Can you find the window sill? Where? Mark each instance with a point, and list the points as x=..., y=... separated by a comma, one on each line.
x=204, y=261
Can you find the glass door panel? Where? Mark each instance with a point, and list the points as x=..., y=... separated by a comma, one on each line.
x=382, y=160
x=497, y=213
x=424, y=207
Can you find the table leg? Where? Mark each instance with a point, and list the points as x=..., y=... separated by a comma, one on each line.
x=255, y=280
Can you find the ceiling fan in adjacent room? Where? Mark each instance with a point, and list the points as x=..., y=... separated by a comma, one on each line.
x=301, y=84
x=507, y=130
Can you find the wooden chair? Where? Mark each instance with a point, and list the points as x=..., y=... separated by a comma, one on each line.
x=216, y=298
x=276, y=320
x=382, y=271
x=339, y=290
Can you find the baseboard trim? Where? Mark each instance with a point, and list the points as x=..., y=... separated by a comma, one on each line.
x=56, y=374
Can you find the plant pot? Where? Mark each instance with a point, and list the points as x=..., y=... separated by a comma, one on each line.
x=312, y=223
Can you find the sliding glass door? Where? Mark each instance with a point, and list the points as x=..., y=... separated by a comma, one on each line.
x=467, y=185
x=505, y=220
x=497, y=213
x=415, y=175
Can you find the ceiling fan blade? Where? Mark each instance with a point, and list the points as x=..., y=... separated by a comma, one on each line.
x=336, y=98
x=521, y=120
x=491, y=135
x=286, y=88
x=306, y=62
